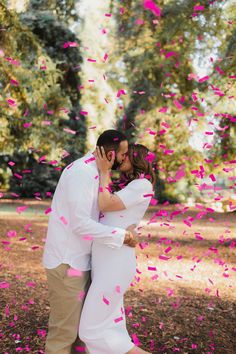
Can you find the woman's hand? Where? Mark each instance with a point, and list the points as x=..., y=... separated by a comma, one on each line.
x=103, y=164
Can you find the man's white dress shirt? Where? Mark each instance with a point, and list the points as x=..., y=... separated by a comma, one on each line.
x=74, y=219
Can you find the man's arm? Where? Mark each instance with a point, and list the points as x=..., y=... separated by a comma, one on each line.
x=80, y=195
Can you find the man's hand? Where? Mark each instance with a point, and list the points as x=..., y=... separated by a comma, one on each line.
x=131, y=236
x=129, y=239
x=104, y=165
x=132, y=228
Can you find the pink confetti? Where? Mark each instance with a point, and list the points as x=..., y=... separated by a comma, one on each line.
x=63, y=219
x=150, y=5
x=105, y=57
x=87, y=237
x=107, y=302
x=71, y=272
x=212, y=177
x=118, y=289
x=170, y=292
x=139, y=21
x=120, y=92
x=11, y=233
x=20, y=209
x=31, y=284
x=90, y=160
x=4, y=285
x=205, y=78
x=70, y=44
x=135, y=339
x=177, y=104
x=152, y=268
x=198, y=8
x=170, y=54
x=179, y=174
x=80, y=349
x=27, y=125
x=148, y=195
x=41, y=333
x=164, y=258
x=11, y=102
x=118, y=319
x=70, y=131
x=81, y=295
x=14, y=82
x=153, y=201
x=163, y=110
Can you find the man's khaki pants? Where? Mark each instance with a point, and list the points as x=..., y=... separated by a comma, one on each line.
x=66, y=301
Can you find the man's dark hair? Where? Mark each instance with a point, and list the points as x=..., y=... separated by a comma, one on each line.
x=110, y=139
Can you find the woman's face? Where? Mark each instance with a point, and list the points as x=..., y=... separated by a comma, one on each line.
x=126, y=165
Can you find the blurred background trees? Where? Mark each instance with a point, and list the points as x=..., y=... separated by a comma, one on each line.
x=161, y=71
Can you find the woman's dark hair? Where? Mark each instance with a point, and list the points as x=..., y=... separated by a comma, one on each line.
x=140, y=158
x=110, y=139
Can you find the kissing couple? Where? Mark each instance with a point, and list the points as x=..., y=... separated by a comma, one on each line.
x=89, y=253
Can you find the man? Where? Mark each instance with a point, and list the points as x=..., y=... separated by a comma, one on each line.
x=73, y=224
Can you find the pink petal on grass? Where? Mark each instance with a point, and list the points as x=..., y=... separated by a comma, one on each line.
x=11, y=233
x=4, y=285
x=164, y=258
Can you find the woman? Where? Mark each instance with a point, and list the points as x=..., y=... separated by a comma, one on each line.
x=102, y=322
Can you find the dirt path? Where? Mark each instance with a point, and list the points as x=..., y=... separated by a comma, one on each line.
x=181, y=300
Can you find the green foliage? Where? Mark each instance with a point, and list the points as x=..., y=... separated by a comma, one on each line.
x=40, y=78
x=158, y=55
x=37, y=180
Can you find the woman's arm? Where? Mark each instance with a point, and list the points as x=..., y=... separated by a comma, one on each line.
x=106, y=200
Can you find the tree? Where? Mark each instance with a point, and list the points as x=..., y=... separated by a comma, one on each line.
x=40, y=97
x=158, y=46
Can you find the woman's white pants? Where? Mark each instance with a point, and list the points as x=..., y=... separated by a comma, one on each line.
x=102, y=323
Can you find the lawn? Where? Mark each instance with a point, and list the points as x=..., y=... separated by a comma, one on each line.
x=181, y=300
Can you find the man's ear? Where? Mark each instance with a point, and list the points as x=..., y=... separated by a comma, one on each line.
x=109, y=155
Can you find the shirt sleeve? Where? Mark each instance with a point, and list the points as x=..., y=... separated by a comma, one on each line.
x=137, y=191
x=80, y=195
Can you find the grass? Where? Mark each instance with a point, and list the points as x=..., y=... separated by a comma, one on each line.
x=183, y=302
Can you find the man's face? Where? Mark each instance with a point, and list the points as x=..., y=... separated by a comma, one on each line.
x=120, y=154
